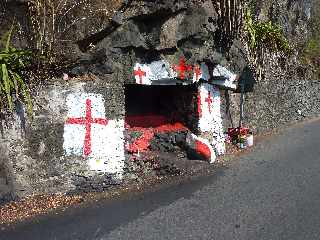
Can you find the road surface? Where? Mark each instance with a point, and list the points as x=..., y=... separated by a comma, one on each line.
x=271, y=193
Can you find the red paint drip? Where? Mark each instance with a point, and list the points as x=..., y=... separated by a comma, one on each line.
x=199, y=105
x=143, y=142
x=203, y=149
x=182, y=68
x=170, y=128
x=146, y=121
x=197, y=71
x=149, y=126
x=209, y=101
x=87, y=121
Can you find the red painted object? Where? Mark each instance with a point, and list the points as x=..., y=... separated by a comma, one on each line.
x=203, y=150
x=87, y=121
x=233, y=133
x=201, y=147
x=209, y=101
x=142, y=143
x=182, y=68
x=197, y=71
x=149, y=125
x=140, y=74
x=199, y=105
x=170, y=128
x=146, y=121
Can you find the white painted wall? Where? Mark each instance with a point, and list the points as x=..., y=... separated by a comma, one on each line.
x=156, y=70
x=204, y=73
x=212, y=121
x=159, y=70
x=107, y=141
x=229, y=77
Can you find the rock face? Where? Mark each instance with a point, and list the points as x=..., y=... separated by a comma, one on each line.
x=150, y=31
x=289, y=91
x=286, y=95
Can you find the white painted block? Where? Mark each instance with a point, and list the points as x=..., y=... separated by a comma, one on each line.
x=142, y=74
x=201, y=146
x=204, y=73
x=88, y=133
x=157, y=70
x=161, y=70
x=229, y=77
x=211, y=119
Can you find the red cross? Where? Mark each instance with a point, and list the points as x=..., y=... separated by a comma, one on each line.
x=139, y=73
x=87, y=121
x=199, y=105
x=209, y=101
x=197, y=71
x=182, y=68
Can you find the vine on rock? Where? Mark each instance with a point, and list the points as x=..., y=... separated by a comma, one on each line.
x=261, y=37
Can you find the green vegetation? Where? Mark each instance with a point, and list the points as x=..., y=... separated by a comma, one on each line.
x=265, y=35
x=311, y=53
x=312, y=50
x=53, y=26
x=12, y=62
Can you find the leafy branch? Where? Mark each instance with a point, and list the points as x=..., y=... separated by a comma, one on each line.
x=12, y=62
x=263, y=36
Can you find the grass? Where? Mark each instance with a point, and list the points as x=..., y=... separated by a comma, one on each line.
x=54, y=23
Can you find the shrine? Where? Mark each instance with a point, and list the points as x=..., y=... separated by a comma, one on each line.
x=132, y=88
x=183, y=97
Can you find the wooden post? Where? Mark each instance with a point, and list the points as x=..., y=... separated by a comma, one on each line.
x=241, y=104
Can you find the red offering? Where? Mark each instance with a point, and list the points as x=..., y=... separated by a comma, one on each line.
x=239, y=131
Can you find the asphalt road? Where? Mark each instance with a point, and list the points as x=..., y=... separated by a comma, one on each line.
x=271, y=193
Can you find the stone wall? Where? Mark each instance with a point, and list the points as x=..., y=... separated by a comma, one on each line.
x=285, y=95
x=48, y=154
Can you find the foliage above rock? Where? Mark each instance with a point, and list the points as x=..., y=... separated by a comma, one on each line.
x=311, y=52
x=265, y=34
x=57, y=24
x=12, y=62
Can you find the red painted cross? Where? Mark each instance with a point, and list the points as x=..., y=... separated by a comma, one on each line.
x=199, y=105
x=87, y=121
x=182, y=68
x=197, y=71
x=209, y=101
x=140, y=74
